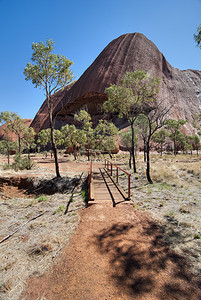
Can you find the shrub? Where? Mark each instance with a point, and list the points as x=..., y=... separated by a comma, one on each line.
x=197, y=236
x=42, y=199
x=20, y=163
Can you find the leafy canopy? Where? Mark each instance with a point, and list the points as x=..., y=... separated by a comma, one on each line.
x=136, y=94
x=49, y=71
x=104, y=134
x=44, y=137
x=197, y=37
x=73, y=137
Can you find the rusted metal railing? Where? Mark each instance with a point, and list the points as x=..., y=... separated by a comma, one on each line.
x=111, y=167
x=89, y=180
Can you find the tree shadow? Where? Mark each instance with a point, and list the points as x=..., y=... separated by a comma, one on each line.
x=55, y=185
x=143, y=265
x=174, y=234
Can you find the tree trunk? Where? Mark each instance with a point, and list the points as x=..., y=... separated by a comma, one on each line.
x=148, y=162
x=145, y=158
x=28, y=155
x=54, y=148
x=133, y=148
x=130, y=160
x=175, y=148
x=88, y=153
x=8, y=153
x=19, y=144
x=74, y=152
x=110, y=154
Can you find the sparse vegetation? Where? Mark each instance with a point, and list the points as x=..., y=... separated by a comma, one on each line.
x=42, y=198
x=173, y=200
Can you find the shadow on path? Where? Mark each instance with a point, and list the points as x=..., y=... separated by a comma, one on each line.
x=145, y=266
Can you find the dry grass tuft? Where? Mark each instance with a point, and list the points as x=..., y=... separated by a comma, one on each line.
x=39, y=249
x=162, y=173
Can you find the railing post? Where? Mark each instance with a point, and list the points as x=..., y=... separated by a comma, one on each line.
x=117, y=175
x=129, y=186
x=110, y=168
x=89, y=180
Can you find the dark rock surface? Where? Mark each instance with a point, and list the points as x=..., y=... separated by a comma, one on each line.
x=129, y=52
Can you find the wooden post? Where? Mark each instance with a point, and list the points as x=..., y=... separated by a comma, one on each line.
x=111, y=170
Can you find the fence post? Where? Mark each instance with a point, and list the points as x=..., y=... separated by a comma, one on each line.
x=111, y=169
x=129, y=186
x=117, y=175
x=89, y=180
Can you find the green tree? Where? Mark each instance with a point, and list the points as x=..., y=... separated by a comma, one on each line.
x=73, y=137
x=5, y=147
x=156, y=119
x=15, y=124
x=84, y=118
x=173, y=126
x=126, y=141
x=136, y=94
x=49, y=72
x=104, y=134
x=43, y=137
x=29, y=139
x=160, y=139
x=196, y=142
x=193, y=141
x=197, y=37
x=142, y=125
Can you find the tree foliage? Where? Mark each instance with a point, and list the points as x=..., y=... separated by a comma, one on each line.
x=126, y=141
x=197, y=37
x=160, y=139
x=49, y=72
x=173, y=126
x=15, y=124
x=84, y=118
x=5, y=147
x=136, y=94
x=73, y=137
x=104, y=135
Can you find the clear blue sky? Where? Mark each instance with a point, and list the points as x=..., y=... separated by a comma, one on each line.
x=81, y=30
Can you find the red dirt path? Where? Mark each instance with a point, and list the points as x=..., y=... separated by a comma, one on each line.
x=116, y=253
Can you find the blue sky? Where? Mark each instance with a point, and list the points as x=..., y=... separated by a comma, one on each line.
x=81, y=30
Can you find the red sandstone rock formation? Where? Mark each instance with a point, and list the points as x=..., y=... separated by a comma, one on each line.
x=129, y=52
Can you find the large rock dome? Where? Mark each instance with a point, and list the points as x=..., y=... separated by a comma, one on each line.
x=129, y=52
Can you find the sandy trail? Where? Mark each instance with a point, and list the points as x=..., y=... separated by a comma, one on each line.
x=116, y=253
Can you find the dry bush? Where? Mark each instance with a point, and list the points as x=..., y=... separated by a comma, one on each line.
x=162, y=173
x=39, y=249
x=194, y=170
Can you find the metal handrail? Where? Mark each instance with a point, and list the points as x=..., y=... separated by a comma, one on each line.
x=89, y=180
x=109, y=163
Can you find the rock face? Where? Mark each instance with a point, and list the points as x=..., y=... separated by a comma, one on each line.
x=11, y=135
x=129, y=52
